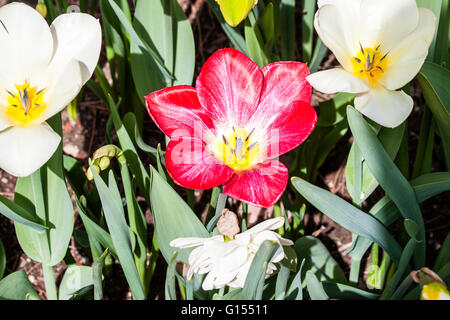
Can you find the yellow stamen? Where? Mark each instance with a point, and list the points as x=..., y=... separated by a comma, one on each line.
x=25, y=105
x=238, y=150
x=370, y=63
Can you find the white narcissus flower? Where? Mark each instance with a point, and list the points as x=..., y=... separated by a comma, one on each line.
x=228, y=262
x=381, y=46
x=42, y=70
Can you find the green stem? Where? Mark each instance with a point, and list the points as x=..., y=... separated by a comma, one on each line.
x=277, y=214
x=49, y=280
x=244, y=217
x=354, y=271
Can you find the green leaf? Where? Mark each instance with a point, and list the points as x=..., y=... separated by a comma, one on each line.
x=320, y=51
x=287, y=14
x=348, y=216
x=120, y=233
x=444, y=254
x=93, y=229
x=391, y=140
x=282, y=281
x=16, y=286
x=170, y=210
x=170, y=292
x=434, y=82
x=15, y=212
x=388, y=175
x=255, y=44
x=97, y=277
x=48, y=184
x=253, y=286
x=295, y=291
x=2, y=259
x=318, y=260
x=308, y=10
x=75, y=278
x=346, y=292
x=315, y=288
x=233, y=34
x=386, y=212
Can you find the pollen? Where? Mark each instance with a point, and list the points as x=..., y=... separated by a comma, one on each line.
x=25, y=105
x=239, y=150
x=370, y=64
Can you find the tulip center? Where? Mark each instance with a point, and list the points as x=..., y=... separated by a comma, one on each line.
x=370, y=64
x=238, y=150
x=25, y=105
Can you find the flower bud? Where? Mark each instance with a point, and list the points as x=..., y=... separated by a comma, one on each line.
x=42, y=8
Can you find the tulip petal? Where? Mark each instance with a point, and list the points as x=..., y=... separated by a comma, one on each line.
x=192, y=166
x=337, y=80
x=26, y=43
x=177, y=112
x=289, y=129
x=25, y=150
x=387, y=22
x=260, y=187
x=77, y=36
x=407, y=57
x=229, y=87
x=235, y=11
x=63, y=86
x=337, y=25
x=387, y=108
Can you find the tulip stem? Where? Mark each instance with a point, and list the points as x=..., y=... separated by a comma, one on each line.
x=244, y=217
x=49, y=280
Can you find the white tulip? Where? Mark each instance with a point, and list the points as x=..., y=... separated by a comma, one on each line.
x=42, y=70
x=381, y=46
x=227, y=263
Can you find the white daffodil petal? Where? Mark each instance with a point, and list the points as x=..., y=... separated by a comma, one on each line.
x=188, y=242
x=337, y=80
x=407, y=57
x=25, y=150
x=387, y=22
x=25, y=40
x=387, y=108
x=64, y=86
x=77, y=36
x=270, y=224
x=337, y=27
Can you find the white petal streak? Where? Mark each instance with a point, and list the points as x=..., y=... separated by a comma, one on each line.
x=337, y=80
x=387, y=22
x=25, y=150
x=337, y=26
x=77, y=36
x=64, y=86
x=407, y=57
x=387, y=108
x=25, y=41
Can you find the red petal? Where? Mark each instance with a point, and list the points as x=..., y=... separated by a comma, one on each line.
x=229, y=87
x=290, y=128
x=261, y=187
x=177, y=112
x=284, y=108
x=192, y=166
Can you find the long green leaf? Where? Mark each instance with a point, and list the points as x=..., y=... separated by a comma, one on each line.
x=348, y=216
x=434, y=82
x=16, y=286
x=120, y=233
x=388, y=175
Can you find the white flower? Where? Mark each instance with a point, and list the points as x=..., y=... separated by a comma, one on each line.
x=381, y=46
x=228, y=262
x=42, y=70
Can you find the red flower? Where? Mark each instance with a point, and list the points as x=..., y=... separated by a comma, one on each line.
x=228, y=129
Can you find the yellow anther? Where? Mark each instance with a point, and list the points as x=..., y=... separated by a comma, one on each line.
x=25, y=105
x=370, y=64
x=238, y=150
